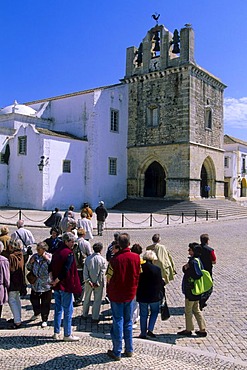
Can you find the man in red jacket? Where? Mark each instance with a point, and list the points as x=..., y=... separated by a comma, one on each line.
x=65, y=283
x=124, y=271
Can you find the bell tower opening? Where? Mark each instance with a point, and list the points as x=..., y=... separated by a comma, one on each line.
x=155, y=182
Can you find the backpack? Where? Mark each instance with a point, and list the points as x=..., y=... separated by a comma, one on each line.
x=79, y=257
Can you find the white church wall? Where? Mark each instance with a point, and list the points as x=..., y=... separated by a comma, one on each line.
x=24, y=183
x=105, y=144
x=62, y=189
x=4, y=174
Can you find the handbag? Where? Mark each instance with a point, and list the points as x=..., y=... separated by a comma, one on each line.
x=31, y=278
x=203, y=284
x=164, y=310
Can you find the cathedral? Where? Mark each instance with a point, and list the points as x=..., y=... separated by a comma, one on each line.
x=158, y=133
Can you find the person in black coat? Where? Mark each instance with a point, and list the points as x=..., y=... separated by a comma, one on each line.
x=149, y=294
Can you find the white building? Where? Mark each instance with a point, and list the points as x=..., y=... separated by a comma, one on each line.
x=65, y=150
x=235, y=168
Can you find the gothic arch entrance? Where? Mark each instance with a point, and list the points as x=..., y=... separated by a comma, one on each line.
x=243, y=192
x=154, y=182
x=207, y=185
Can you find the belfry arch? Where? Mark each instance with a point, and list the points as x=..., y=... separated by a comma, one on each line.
x=154, y=181
x=208, y=178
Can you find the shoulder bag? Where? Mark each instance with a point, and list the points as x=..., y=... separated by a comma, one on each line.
x=203, y=284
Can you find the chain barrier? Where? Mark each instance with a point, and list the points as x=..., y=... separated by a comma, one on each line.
x=137, y=223
x=9, y=218
x=159, y=222
x=30, y=219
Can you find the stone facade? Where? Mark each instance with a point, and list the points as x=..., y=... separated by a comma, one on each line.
x=175, y=131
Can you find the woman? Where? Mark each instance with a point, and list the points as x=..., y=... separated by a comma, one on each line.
x=192, y=271
x=87, y=210
x=4, y=237
x=41, y=289
x=4, y=279
x=53, y=241
x=149, y=294
x=16, y=266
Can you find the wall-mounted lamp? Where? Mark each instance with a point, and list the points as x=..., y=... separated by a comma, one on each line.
x=43, y=163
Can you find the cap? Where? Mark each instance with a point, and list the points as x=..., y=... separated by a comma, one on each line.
x=101, y=202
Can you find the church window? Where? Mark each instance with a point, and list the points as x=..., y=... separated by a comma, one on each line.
x=152, y=116
x=66, y=166
x=208, y=118
x=243, y=164
x=22, y=145
x=112, y=166
x=114, y=120
x=226, y=162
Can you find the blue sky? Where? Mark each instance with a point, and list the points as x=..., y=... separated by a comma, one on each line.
x=55, y=47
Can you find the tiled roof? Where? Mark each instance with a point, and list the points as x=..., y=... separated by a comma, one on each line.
x=65, y=135
x=232, y=140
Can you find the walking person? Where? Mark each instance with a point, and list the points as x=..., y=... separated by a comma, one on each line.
x=192, y=271
x=121, y=290
x=41, y=292
x=65, y=282
x=87, y=210
x=149, y=293
x=4, y=279
x=94, y=277
x=101, y=213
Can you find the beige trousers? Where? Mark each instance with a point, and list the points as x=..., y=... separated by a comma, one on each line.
x=192, y=307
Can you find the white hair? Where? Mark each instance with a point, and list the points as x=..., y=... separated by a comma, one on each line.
x=150, y=256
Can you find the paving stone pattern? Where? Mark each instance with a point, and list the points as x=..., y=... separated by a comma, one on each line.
x=225, y=347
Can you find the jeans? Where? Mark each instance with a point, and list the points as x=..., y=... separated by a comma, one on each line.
x=122, y=326
x=154, y=308
x=15, y=305
x=63, y=304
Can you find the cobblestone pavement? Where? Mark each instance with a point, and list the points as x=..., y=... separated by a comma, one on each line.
x=225, y=347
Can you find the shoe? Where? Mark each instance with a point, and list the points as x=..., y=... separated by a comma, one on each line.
x=114, y=357
x=95, y=321
x=201, y=333
x=15, y=326
x=56, y=336
x=142, y=336
x=44, y=324
x=34, y=317
x=186, y=333
x=71, y=338
x=10, y=321
x=128, y=354
x=151, y=334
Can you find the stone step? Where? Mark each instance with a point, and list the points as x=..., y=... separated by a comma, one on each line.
x=206, y=207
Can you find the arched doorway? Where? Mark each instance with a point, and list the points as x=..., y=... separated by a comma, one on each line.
x=154, y=183
x=207, y=183
x=243, y=192
x=204, y=182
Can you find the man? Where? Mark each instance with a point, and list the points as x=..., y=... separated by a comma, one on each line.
x=81, y=251
x=101, y=213
x=87, y=225
x=94, y=273
x=208, y=259
x=109, y=253
x=164, y=259
x=26, y=237
x=64, y=222
x=121, y=290
x=65, y=282
x=71, y=211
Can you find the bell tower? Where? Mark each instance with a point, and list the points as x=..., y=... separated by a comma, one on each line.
x=175, y=118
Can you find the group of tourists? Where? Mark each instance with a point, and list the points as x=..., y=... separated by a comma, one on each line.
x=133, y=280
